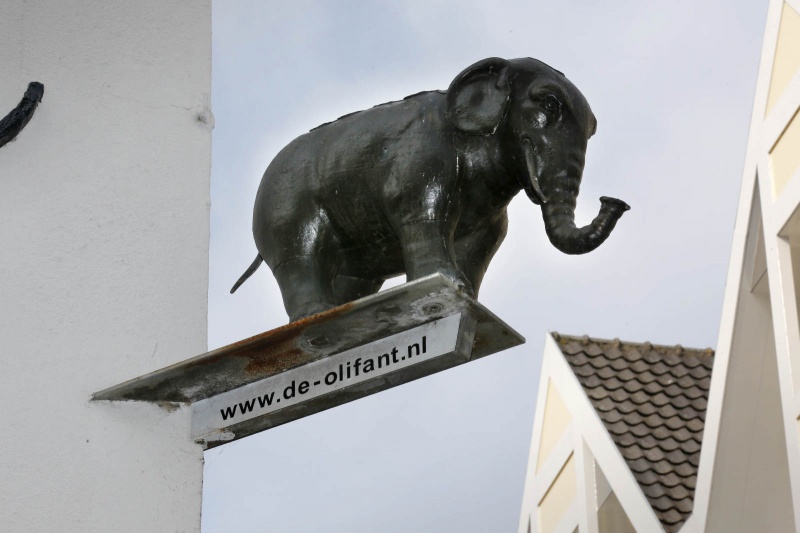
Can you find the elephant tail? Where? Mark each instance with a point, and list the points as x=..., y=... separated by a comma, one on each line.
x=247, y=273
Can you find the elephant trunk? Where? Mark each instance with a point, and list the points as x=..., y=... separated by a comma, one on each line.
x=558, y=209
x=559, y=222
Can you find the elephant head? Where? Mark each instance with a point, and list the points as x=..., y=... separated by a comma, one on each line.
x=540, y=124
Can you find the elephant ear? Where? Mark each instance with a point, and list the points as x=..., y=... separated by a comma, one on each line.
x=478, y=98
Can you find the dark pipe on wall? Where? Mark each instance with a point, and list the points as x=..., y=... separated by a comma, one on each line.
x=12, y=124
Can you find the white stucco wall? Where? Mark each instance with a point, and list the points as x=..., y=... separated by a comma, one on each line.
x=104, y=228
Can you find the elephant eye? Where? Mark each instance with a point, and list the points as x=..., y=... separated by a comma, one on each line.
x=551, y=104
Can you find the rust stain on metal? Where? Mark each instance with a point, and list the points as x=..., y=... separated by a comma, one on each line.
x=285, y=352
x=318, y=336
x=249, y=347
x=274, y=351
x=275, y=360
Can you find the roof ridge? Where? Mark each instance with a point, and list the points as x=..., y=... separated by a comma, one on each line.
x=586, y=339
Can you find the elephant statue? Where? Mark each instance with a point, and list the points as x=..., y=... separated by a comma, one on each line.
x=421, y=185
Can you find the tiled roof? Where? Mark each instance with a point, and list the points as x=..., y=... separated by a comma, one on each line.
x=652, y=400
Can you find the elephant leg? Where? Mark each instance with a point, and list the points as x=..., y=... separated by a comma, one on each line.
x=306, y=286
x=349, y=288
x=428, y=248
x=303, y=262
x=475, y=250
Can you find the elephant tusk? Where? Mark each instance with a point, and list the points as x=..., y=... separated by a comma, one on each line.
x=532, y=174
x=538, y=190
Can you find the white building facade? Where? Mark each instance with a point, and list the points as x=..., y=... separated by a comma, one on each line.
x=104, y=213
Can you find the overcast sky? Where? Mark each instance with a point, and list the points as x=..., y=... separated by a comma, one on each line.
x=671, y=84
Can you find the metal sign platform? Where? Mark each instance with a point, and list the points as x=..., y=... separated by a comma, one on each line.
x=335, y=357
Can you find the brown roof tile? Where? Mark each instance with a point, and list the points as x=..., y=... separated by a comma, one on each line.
x=652, y=400
x=671, y=519
x=670, y=480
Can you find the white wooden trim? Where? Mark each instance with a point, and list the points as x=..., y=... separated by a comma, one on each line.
x=719, y=376
x=690, y=525
x=569, y=521
x=602, y=492
x=588, y=423
x=786, y=204
x=783, y=298
x=708, y=452
x=770, y=224
x=547, y=475
x=766, y=64
x=784, y=313
x=772, y=128
x=587, y=494
x=785, y=329
x=782, y=112
x=528, y=509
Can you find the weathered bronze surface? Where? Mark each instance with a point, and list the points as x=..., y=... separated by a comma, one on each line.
x=421, y=186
